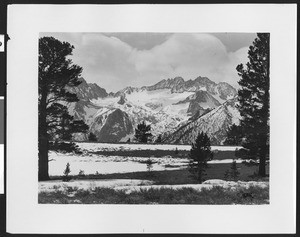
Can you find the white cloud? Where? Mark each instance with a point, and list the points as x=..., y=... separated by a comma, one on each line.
x=114, y=64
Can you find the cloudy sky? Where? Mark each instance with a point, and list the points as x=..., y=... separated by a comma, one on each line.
x=117, y=60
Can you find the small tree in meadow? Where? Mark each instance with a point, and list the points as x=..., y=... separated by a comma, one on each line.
x=149, y=164
x=234, y=170
x=227, y=175
x=199, y=155
x=233, y=173
x=67, y=171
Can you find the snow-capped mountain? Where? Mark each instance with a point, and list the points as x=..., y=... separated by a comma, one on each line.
x=222, y=90
x=175, y=108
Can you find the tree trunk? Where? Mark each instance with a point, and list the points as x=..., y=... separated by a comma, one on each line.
x=262, y=166
x=199, y=173
x=43, y=159
x=43, y=138
x=262, y=156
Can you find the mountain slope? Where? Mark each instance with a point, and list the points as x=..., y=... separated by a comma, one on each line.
x=215, y=123
x=88, y=91
x=200, y=101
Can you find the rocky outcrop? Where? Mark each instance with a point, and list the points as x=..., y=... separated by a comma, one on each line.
x=88, y=91
x=112, y=126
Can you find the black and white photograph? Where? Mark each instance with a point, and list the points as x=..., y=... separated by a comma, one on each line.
x=151, y=118
x=154, y=118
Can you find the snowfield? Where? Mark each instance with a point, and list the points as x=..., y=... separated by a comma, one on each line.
x=92, y=163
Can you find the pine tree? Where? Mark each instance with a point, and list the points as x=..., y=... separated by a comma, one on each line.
x=158, y=139
x=234, y=171
x=67, y=171
x=199, y=155
x=92, y=137
x=234, y=136
x=142, y=132
x=254, y=101
x=57, y=73
x=149, y=164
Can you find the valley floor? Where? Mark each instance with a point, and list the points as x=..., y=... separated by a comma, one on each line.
x=119, y=174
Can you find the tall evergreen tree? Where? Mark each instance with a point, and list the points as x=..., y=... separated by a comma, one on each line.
x=234, y=136
x=199, y=155
x=142, y=132
x=56, y=73
x=254, y=101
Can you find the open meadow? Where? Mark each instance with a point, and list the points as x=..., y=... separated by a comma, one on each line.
x=149, y=174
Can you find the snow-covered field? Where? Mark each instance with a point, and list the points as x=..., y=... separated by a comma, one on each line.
x=115, y=164
x=92, y=163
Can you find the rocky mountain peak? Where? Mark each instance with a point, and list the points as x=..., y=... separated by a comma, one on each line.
x=203, y=81
x=88, y=91
x=122, y=99
x=225, y=90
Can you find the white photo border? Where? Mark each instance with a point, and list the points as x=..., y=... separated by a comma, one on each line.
x=25, y=215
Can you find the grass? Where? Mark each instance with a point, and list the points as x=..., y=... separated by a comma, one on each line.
x=216, y=195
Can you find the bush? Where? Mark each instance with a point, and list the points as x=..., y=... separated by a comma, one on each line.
x=81, y=173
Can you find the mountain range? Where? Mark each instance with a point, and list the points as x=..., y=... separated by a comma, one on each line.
x=176, y=109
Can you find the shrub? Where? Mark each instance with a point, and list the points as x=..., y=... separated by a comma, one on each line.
x=81, y=173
